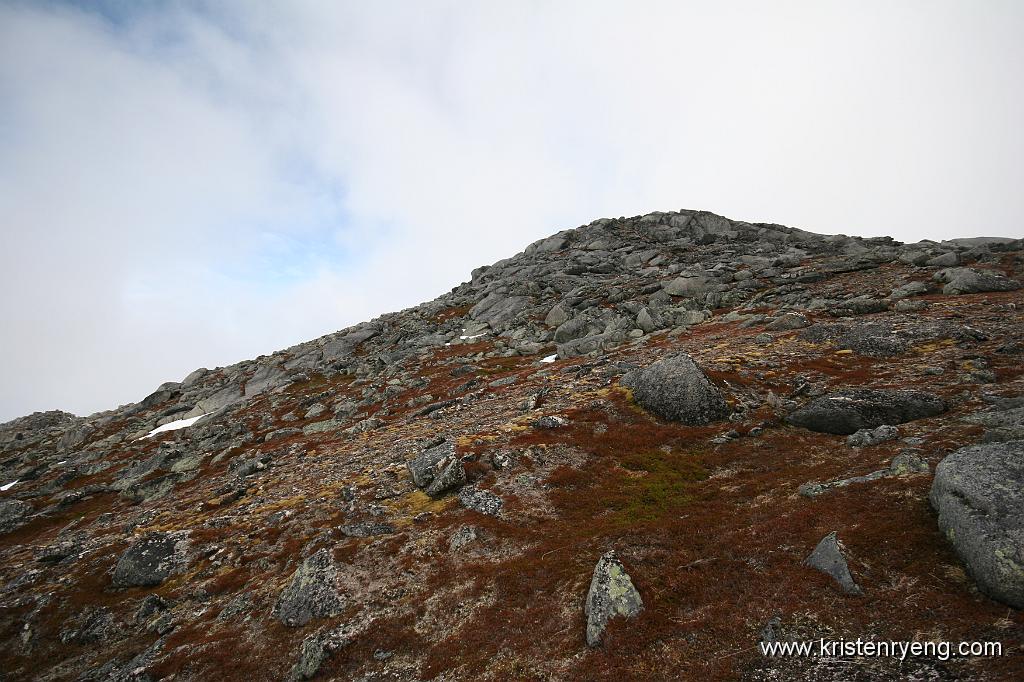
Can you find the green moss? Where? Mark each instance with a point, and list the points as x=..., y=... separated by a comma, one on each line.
x=658, y=483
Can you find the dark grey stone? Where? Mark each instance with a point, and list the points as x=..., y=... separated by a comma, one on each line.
x=676, y=389
x=978, y=493
x=847, y=411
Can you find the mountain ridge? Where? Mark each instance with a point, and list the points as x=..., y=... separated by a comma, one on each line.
x=676, y=409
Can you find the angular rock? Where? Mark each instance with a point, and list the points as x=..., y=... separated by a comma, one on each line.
x=611, y=595
x=828, y=558
x=423, y=468
x=847, y=411
x=312, y=592
x=450, y=476
x=978, y=493
x=676, y=389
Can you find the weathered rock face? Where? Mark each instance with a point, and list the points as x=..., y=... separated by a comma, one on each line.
x=149, y=561
x=676, y=389
x=13, y=513
x=828, y=558
x=611, y=595
x=972, y=281
x=847, y=411
x=978, y=493
x=312, y=592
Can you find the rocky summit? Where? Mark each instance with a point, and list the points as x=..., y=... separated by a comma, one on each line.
x=639, y=449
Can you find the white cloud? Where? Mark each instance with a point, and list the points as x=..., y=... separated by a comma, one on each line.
x=196, y=184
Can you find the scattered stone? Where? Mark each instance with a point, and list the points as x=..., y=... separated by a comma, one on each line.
x=908, y=463
x=676, y=389
x=978, y=492
x=847, y=411
x=482, y=501
x=462, y=537
x=550, y=422
x=312, y=592
x=611, y=594
x=868, y=437
x=366, y=529
x=828, y=558
x=788, y=322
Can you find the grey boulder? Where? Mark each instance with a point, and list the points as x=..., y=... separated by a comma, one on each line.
x=611, y=595
x=312, y=592
x=847, y=411
x=150, y=560
x=676, y=389
x=869, y=437
x=13, y=513
x=978, y=493
x=971, y=281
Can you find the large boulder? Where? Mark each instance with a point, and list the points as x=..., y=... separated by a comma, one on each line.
x=978, y=493
x=675, y=388
x=150, y=560
x=611, y=594
x=847, y=411
x=971, y=281
x=312, y=592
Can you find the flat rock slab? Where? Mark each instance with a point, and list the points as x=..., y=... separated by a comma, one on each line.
x=978, y=493
x=611, y=594
x=850, y=410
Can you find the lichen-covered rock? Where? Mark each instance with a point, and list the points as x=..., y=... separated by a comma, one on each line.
x=868, y=437
x=423, y=468
x=971, y=281
x=13, y=513
x=482, y=501
x=451, y=475
x=611, y=595
x=978, y=493
x=312, y=592
x=675, y=388
x=315, y=650
x=150, y=560
x=828, y=558
x=847, y=411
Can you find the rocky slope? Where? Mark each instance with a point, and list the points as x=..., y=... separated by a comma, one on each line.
x=633, y=451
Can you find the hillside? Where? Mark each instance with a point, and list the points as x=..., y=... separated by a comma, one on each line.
x=427, y=495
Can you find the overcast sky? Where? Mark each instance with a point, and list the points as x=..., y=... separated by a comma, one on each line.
x=192, y=184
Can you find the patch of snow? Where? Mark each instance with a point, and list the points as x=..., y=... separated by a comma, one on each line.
x=474, y=336
x=8, y=486
x=174, y=426
x=550, y=358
